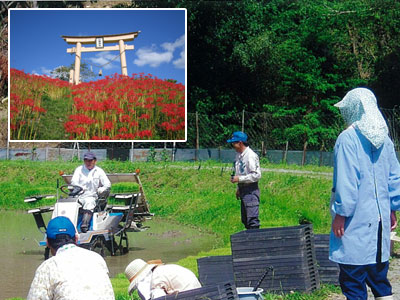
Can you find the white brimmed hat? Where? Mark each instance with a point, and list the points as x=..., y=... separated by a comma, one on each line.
x=137, y=270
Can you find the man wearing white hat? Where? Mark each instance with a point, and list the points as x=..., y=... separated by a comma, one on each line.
x=366, y=194
x=95, y=184
x=154, y=279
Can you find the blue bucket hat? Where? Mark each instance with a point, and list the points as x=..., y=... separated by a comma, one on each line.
x=238, y=136
x=89, y=156
x=60, y=225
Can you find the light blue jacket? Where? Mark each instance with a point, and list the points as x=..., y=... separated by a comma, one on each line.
x=366, y=182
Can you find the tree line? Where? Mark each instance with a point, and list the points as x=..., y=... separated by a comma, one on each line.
x=286, y=58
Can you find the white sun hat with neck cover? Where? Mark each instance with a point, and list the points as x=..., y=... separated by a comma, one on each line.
x=137, y=270
x=359, y=108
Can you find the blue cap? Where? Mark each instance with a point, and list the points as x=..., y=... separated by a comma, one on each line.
x=89, y=156
x=60, y=225
x=238, y=136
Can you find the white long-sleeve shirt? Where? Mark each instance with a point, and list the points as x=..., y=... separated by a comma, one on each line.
x=166, y=280
x=92, y=181
x=73, y=274
x=247, y=166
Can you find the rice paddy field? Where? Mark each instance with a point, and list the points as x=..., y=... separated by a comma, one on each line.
x=197, y=196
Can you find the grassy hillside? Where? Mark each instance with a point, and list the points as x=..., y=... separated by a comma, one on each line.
x=201, y=197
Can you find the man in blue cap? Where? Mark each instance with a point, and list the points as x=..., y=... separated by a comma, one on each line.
x=73, y=272
x=247, y=175
x=95, y=184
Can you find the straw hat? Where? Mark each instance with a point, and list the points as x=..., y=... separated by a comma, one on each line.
x=137, y=270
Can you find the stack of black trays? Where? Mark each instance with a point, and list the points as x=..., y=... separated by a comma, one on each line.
x=289, y=250
x=222, y=291
x=328, y=270
x=215, y=269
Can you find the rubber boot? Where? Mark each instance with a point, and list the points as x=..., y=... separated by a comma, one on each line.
x=87, y=216
x=385, y=298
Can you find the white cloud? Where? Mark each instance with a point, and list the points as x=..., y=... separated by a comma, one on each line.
x=154, y=58
x=45, y=71
x=180, y=62
x=102, y=59
x=170, y=47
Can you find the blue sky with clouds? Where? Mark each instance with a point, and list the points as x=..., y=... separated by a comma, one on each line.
x=36, y=45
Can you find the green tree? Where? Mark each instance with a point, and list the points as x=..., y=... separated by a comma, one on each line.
x=62, y=72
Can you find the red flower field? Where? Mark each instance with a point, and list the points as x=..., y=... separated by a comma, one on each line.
x=141, y=107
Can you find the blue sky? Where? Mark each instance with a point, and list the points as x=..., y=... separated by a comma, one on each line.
x=36, y=45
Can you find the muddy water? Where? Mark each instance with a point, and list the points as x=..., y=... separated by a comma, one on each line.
x=21, y=255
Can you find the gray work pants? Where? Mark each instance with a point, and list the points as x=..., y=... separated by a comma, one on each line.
x=250, y=201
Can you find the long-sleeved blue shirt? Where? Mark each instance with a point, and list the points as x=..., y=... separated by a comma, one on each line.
x=366, y=182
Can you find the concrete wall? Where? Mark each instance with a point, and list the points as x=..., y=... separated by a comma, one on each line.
x=51, y=154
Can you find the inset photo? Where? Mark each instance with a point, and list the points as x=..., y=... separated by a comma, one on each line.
x=97, y=74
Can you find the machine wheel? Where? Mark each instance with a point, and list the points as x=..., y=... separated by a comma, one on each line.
x=97, y=245
x=112, y=244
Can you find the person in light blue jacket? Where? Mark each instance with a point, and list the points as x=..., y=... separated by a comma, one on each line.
x=365, y=196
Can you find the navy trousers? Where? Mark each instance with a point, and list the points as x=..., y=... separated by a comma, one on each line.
x=353, y=279
x=250, y=201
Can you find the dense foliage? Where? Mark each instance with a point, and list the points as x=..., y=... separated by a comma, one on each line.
x=291, y=54
x=291, y=59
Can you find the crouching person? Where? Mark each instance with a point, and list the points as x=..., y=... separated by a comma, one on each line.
x=73, y=272
x=154, y=279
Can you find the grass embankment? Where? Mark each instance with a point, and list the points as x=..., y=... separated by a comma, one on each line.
x=201, y=197
x=51, y=126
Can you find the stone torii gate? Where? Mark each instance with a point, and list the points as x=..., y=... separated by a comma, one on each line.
x=99, y=40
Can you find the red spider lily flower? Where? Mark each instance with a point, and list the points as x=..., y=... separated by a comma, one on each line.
x=133, y=124
x=149, y=106
x=29, y=102
x=104, y=137
x=144, y=116
x=122, y=129
x=124, y=119
x=14, y=109
x=82, y=119
x=119, y=111
x=80, y=130
x=39, y=109
x=108, y=125
x=145, y=133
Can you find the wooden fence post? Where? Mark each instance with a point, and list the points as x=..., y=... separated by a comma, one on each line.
x=173, y=151
x=8, y=150
x=197, y=138
x=243, y=120
x=285, y=152
x=263, y=151
x=132, y=149
x=303, y=159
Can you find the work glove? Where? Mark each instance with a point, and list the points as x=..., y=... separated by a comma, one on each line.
x=101, y=190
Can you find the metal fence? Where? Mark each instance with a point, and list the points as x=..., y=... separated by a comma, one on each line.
x=268, y=131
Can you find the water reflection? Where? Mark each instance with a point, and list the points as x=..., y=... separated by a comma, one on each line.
x=21, y=255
